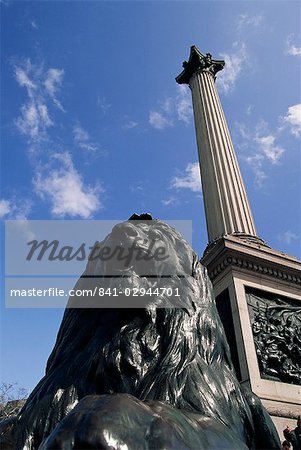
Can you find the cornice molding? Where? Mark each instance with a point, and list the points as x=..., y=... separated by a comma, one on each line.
x=282, y=412
x=255, y=256
x=254, y=267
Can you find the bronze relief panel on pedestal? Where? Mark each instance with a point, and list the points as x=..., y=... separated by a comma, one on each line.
x=276, y=327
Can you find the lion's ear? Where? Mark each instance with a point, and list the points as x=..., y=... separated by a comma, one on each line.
x=195, y=264
x=134, y=217
x=144, y=216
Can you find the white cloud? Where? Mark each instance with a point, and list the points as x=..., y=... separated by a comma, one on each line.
x=82, y=139
x=23, y=79
x=268, y=147
x=256, y=163
x=247, y=20
x=192, y=179
x=244, y=133
x=52, y=83
x=249, y=110
x=184, y=104
x=129, y=125
x=168, y=105
x=263, y=146
x=172, y=109
x=66, y=191
x=138, y=187
x=89, y=146
x=33, y=24
x=53, y=80
x=4, y=208
x=291, y=48
x=158, y=120
x=34, y=118
x=169, y=201
x=44, y=115
x=293, y=118
x=80, y=135
x=288, y=237
x=103, y=105
x=234, y=62
x=15, y=208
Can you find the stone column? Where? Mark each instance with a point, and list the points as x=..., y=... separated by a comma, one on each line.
x=226, y=204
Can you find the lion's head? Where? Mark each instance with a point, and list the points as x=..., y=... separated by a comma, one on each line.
x=140, y=254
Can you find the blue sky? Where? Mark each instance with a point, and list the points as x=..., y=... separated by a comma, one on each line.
x=95, y=126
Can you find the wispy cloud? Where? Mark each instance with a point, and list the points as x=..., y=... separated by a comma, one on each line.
x=291, y=48
x=235, y=60
x=56, y=180
x=249, y=110
x=163, y=117
x=4, y=208
x=191, y=180
x=245, y=20
x=138, y=187
x=129, y=125
x=293, y=119
x=103, y=105
x=158, y=120
x=22, y=77
x=256, y=163
x=33, y=24
x=288, y=237
x=34, y=120
x=269, y=148
x=263, y=147
x=183, y=104
x=169, y=201
x=82, y=139
x=40, y=85
x=64, y=188
x=80, y=135
x=52, y=83
x=15, y=208
x=177, y=108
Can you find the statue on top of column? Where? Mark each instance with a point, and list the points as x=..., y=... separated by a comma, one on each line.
x=199, y=62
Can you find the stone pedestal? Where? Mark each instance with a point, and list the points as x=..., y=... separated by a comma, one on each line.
x=257, y=291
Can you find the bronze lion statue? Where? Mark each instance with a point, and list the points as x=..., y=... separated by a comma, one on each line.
x=150, y=375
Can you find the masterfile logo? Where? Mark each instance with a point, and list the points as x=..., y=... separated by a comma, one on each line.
x=45, y=258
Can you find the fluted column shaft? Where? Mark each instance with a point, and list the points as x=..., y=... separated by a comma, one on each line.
x=226, y=204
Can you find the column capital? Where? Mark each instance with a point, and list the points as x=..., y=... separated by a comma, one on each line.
x=199, y=62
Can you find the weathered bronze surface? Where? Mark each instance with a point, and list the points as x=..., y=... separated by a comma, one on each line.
x=143, y=378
